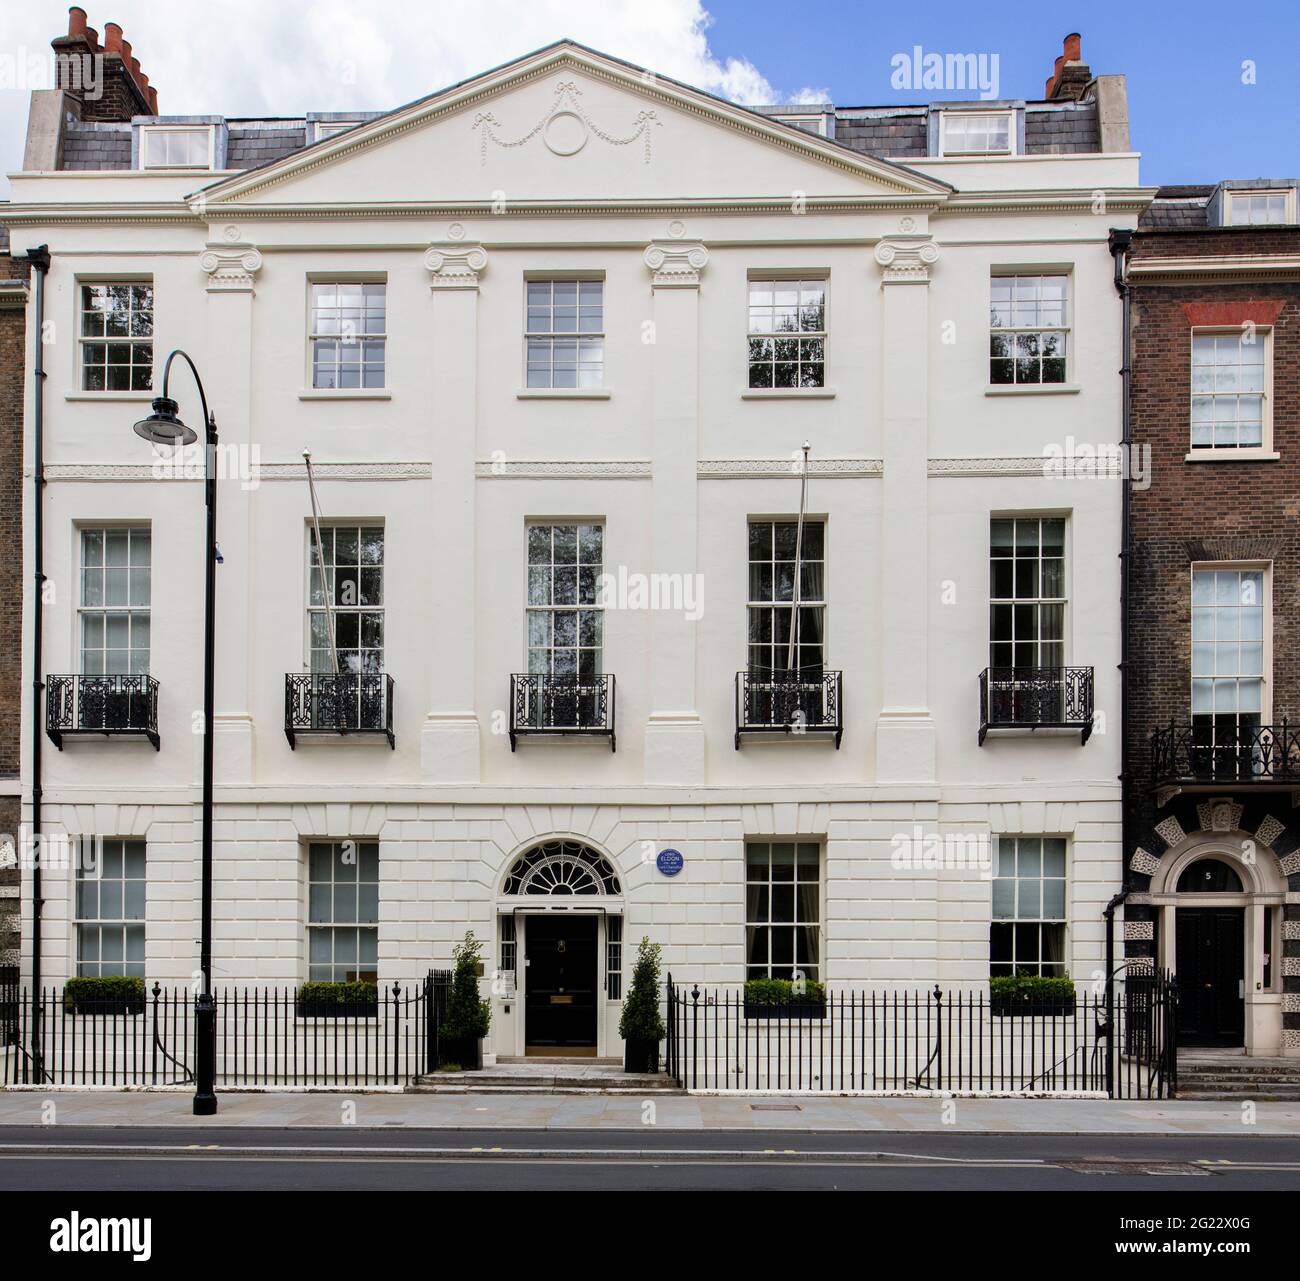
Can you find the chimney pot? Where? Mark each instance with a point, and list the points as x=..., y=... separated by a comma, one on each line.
x=1073, y=47
x=112, y=37
x=76, y=21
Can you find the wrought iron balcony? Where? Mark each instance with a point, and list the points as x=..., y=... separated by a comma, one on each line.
x=338, y=703
x=541, y=704
x=783, y=702
x=1036, y=698
x=107, y=705
x=1225, y=753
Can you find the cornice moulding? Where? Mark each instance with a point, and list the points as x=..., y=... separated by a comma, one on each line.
x=584, y=469
x=766, y=468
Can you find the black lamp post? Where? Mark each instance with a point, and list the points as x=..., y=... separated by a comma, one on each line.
x=164, y=427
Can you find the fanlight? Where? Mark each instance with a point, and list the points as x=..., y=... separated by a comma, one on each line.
x=562, y=867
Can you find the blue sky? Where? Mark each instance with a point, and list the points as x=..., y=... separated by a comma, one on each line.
x=1192, y=117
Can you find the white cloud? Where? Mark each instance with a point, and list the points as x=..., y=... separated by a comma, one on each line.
x=264, y=57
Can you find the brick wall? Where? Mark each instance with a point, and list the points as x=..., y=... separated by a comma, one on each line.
x=1207, y=510
x=12, y=321
x=1198, y=511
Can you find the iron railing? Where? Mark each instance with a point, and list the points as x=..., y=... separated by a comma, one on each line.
x=338, y=703
x=265, y=1037
x=542, y=704
x=1036, y=698
x=789, y=702
x=108, y=705
x=1219, y=753
x=892, y=1042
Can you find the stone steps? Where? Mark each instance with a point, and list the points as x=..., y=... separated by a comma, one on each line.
x=1267, y=1080
x=525, y=1078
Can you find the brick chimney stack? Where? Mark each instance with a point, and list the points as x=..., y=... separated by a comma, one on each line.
x=102, y=82
x=1071, y=76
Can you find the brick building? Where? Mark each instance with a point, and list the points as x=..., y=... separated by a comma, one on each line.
x=13, y=300
x=1214, y=666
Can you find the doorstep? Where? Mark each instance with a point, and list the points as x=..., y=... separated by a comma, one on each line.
x=551, y=1074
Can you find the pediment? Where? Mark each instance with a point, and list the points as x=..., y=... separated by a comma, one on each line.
x=571, y=126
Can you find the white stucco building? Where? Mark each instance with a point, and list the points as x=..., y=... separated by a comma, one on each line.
x=564, y=319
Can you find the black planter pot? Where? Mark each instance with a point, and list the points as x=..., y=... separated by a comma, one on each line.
x=640, y=1054
x=465, y=1051
x=796, y=1009
x=323, y=1008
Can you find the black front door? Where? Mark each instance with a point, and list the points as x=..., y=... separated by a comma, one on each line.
x=1211, y=966
x=560, y=1005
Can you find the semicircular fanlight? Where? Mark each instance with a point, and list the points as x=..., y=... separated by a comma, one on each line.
x=561, y=867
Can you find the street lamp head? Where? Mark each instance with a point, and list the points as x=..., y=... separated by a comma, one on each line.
x=163, y=427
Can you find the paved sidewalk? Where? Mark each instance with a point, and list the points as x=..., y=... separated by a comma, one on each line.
x=584, y=1112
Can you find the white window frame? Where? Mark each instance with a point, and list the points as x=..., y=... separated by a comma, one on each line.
x=134, y=341
x=596, y=372
x=343, y=333
x=149, y=132
x=1041, y=918
x=1265, y=569
x=322, y=129
x=329, y=532
x=334, y=924
x=1014, y=331
x=800, y=121
x=1244, y=197
x=550, y=608
x=86, y=610
x=1037, y=601
x=1264, y=335
x=795, y=924
x=798, y=281
x=88, y=871
x=1007, y=113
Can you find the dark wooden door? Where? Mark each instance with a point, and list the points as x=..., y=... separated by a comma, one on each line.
x=1211, y=967
x=560, y=993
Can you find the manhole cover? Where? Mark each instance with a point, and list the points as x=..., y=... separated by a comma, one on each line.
x=775, y=1107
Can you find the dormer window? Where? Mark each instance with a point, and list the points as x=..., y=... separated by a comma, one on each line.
x=977, y=133
x=1275, y=205
x=808, y=123
x=322, y=129
x=166, y=147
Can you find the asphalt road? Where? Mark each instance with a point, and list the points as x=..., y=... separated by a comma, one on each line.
x=83, y=1159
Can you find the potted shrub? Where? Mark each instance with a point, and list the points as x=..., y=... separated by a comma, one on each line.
x=784, y=999
x=641, y=1026
x=1025, y=995
x=104, y=994
x=356, y=1000
x=466, y=1021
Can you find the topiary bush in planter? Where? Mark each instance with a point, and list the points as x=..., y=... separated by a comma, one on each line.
x=782, y=998
x=641, y=1025
x=356, y=1000
x=104, y=994
x=1030, y=994
x=468, y=1017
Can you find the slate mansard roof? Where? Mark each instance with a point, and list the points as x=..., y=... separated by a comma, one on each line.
x=885, y=133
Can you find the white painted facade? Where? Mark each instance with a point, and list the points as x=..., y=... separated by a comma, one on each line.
x=912, y=455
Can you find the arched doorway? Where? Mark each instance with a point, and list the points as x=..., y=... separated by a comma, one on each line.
x=561, y=907
x=1211, y=955
x=1218, y=899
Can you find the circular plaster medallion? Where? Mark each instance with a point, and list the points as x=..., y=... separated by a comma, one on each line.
x=456, y=231
x=230, y=232
x=565, y=133
x=907, y=223
x=676, y=229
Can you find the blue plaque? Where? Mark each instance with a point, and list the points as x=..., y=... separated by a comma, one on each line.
x=670, y=862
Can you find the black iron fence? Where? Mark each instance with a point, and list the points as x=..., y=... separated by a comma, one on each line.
x=1036, y=698
x=338, y=703
x=543, y=704
x=955, y=1041
x=265, y=1037
x=789, y=702
x=1222, y=750
x=126, y=705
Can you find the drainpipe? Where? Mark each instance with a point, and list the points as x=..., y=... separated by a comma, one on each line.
x=40, y=262
x=1121, y=238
